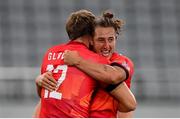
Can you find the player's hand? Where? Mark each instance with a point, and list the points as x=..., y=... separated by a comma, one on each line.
x=46, y=81
x=71, y=57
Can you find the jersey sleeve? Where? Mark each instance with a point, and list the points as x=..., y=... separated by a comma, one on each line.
x=121, y=66
x=125, y=63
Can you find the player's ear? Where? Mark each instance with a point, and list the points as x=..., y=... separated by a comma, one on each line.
x=91, y=45
x=91, y=42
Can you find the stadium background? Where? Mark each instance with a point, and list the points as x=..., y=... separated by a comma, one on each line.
x=151, y=38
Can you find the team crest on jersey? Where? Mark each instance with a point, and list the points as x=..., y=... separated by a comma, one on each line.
x=126, y=65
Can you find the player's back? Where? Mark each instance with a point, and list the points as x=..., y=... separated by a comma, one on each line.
x=73, y=95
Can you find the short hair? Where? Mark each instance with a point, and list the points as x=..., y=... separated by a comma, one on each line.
x=107, y=20
x=80, y=23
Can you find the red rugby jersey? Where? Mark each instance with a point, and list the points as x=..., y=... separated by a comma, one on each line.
x=72, y=97
x=104, y=105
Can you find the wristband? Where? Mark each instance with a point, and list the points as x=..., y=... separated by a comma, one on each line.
x=120, y=65
x=111, y=87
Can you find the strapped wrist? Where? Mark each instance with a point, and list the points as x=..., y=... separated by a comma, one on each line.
x=111, y=87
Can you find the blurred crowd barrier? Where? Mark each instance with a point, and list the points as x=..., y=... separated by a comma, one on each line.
x=151, y=38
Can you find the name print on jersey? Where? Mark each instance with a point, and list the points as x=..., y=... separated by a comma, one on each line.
x=55, y=56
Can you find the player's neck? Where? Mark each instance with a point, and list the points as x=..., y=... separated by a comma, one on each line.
x=84, y=39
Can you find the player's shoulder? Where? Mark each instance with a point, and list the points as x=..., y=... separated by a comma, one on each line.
x=90, y=55
x=121, y=58
x=124, y=61
x=120, y=55
x=93, y=55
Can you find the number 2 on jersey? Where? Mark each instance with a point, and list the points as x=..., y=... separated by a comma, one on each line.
x=55, y=94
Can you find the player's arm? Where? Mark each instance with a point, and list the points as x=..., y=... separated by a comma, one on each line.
x=124, y=96
x=111, y=75
x=125, y=114
x=101, y=72
x=120, y=92
x=46, y=81
x=37, y=110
